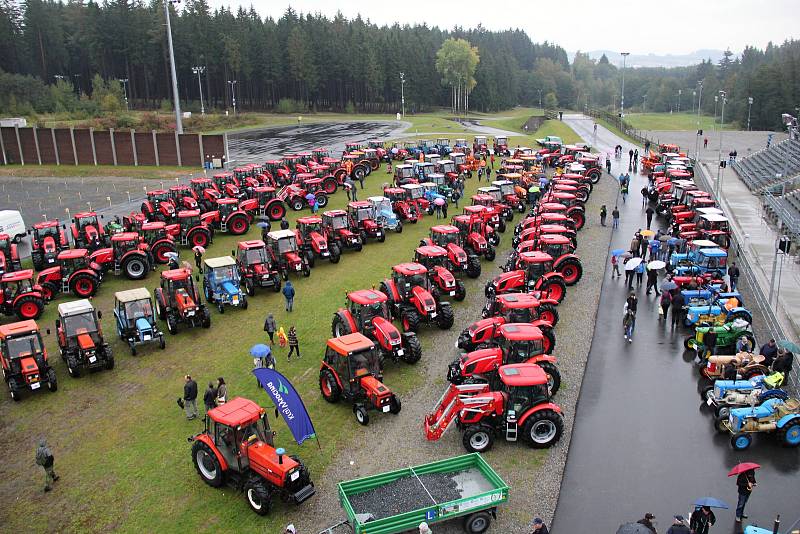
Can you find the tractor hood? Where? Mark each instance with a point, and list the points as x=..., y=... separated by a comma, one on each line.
x=478, y=239
x=85, y=341
x=92, y=233
x=230, y=288
x=46, y=274
x=143, y=325
x=424, y=298
x=30, y=370
x=481, y=361
x=167, y=208
x=320, y=243
x=49, y=244
x=387, y=331
x=457, y=253
x=185, y=303
x=483, y=324
x=264, y=460
x=102, y=256
x=370, y=225
x=210, y=217
x=445, y=276
x=378, y=394
x=293, y=259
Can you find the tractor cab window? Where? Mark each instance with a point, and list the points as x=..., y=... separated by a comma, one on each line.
x=287, y=245
x=137, y=309
x=444, y=239
x=363, y=214
x=416, y=280
x=554, y=250
x=338, y=362
x=20, y=347
x=223, y=273
x=126, y=245
x=537, y=269
x=364, y=363
x=476, y=227
x=257, y=430
x=82, y=222
x=79, y=324
x=41, y=233
x=448, y=167
x=366, y=313
x=307, y=228
x=520, y=397
x=522, y=351
x=338, y=223
x=255, y=256
x=225, y=437
x=415, y=192
x=518, y=315
x=75, y=264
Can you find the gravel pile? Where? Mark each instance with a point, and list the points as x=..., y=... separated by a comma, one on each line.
x=406, y=494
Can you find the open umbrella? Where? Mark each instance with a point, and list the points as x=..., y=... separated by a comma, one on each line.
x=171, y=255
x=632, y=263
x=669, y=285
x=656, y=264
x=438, y=201
x=260, y=351
x=711, y=502
x=788, y=345
x=672, y=241
x=263, y=224
x=647, y=233
x=742, y=467
x=617, y=251
x=625, y=255
x=198, y=249
x=664, y=238
x=310, y=197
x=633, y=528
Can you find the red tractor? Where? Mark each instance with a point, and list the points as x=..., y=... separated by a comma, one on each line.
x=575, y=209
x=228, y=217
x=435, y=260
x=336, y=227
x=533, y=232
x=534, y=273
x=227, y=186
x=158, y=206
x=204, y=193
x=298, y=197
x=190, y=230
x=478, y=238
x=255, y=268
x=498, y=201
x=404, y=174
x=490, y=217
x=236, y=448
x=501, y=145
x=479, y=145
x=411, y=299
x=285, y=255
x=361, y=217
x=74, y=273
x=9, y=257
x=182, y=198
x=47, y=240
x=564, y=186
x=80, y=338
x=160, y=243
x=406, y=211
x=541, y=218
x=367, y=311
x=506, y=344
x=522, y=402
x=560, y=248
x=20, y=297
x=87, y=232
x=24, y=359
x=313, y=242
x=449, y=238
x=178, y=301
x=263, y=202
x=351, y=370
x=127, y=254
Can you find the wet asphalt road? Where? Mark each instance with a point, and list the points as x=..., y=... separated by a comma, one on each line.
x=643, y=441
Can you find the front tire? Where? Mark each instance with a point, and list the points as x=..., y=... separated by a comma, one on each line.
x=478, y=438
x=258, y=495
x=543, y=429
x=328, y=386
x=446, y=317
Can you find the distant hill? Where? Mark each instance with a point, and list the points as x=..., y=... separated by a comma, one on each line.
x=655, y=60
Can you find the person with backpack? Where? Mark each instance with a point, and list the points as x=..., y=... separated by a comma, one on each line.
x=44, y=458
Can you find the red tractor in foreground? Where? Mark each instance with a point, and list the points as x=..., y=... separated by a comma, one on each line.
x=20, y=297
x=366, y=311
x=74, y=273
x=24, y=359
x=411, y=299
x=255, y=269
x=534, y=273
x=313, y=242
x=236, y=448
x=449, y=238
x=336, y=228
x=436, y=261
x=521, y=403
x=285, y=255
x=361, y=216
x=178, y=301
x=87, y=232
x=264, y=202
x=190, y=230
x=47, y=240
x=351, y=370
x=159, y=242
x=9, y=257
x=80, y=338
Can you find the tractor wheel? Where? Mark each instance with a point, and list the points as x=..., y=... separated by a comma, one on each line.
x=276, y=211
x=221, y=307
x=29, y=307
x=306, y=270
x=720, y=422
x=553, y=376
x=572, y=270
x=132, y=346
x=478, y=438
x=38, y=261
x=73, y=368
x=548, y=340
x=15, y=394
x=594, y=175
x=477, y=523
x=363, y=236
x=310, y=258
x=297, y=203
x=339, y=326
x=238, y=225
x=395, y=405
x=473, y=266
x=494, y=239
x=172, y=325
x=162, y=343
x=329, y=185
x=136, y=267
x=359, y=172
x=328, y=386
x=509, y=216
x=582, y=195
x=250, y=287
x=160, y=252
x=258, y=495
x=206, y=323
x=409, y=319
x=741, y=441
x=722, y=412
x=336, y=254
x=413, y=348
x=83, y=285
x=382, y=237
x=690, y=343
x=399, y=228
x=501, y=227
x=707, y=393
x=543, y=429
x=554, y=288
x=322, y=199
x=445, y=318
x=789, y=435
x=549, y=313
x=361, y=415
x=579, y=217
x=461, y=291
x=243, y=302
x=207, y=464
x=490, y=253
x=109, y=359
x=359, y=247
x=521, y=207
x=52, y=380
x=199, y=238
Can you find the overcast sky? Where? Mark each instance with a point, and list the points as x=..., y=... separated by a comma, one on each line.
x=673, y=26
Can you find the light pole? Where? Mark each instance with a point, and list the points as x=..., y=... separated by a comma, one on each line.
x=403, y=93
x=233, y=93
x=124, y=82
x=622, y=101
x=749, y=105
x=199, y=71
x=694, y=95
x=697, y=141
x=175, y=96
x=679, y=100
x=540, y=98
x=716, y=99
x=719, y=154
x=644, y=104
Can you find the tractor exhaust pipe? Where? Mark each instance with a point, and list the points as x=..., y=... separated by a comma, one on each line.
x=280, y=452
x=777, y=526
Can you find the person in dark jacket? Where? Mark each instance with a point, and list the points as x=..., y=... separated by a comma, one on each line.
x=44, y=458
x=649, y=213
x=701, y=520
x=678, y=526
x=222, y=391
x=210, y=397
x=539, y=527
x=603, y=213
x=190, y=398
x=733, y=275
x=678, y=302
x=284, y=224
x=652, y=281
x=745, y=483
x=647, y=521
x=294, y=343
x=288, y=294
x=783, y=363
x=769, y=351
x=270, y=327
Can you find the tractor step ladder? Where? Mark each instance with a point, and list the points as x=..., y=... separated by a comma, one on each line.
x=117, y=268
x=184, y=239
x=511, y=426
x=65, y=285
x=223, y=226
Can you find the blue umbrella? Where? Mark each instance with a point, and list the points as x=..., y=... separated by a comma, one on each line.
x=260, y=351
x=711, y=502
x=617, y=251
x=263, y=224
x=672, y=241
x=310, y=196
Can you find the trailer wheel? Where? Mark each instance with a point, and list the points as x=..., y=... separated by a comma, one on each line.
x=258, y=495
x=478, y=438
x=477, y=523
x=207, y=464
x=361, y=415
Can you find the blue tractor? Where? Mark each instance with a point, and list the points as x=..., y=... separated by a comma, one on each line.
x=691, y=256
x=426, y=146
x=385, y=215
x=136, y=321
x=706, y=261
x=443, y=146
x=432, y=192
x=221, y=284
x=727, y=394
x=718, y=309
x=779, y=416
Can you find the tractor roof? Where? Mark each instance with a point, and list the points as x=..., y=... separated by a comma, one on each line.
x=335, y=213
x=277, y=235
x=713, y=217
x=201, y=180
x=346, y=345
x=227, y=201
x=19, y=328
x=125, y=236
x=236, y=412
x=72, y=254
x=378, y=199
x=225, y=174
x=517, y=300
x=272, y=162
x=553, y=206
x=553, y=216
x=444, y=229
x=409, y=268
x=132, y=295
x=410, y=186
x=455, y=154
x=85, y=214
x=155, y=225
x=713, y=252
x=522, y=374
x=75, y=307
x=498, y=183
x=45, y=224
x=310, y=219
x=554, y=239
x=391, y=190
x=476, y=209
x=704, y=243
x=176, y=274
x=222, y=261
x=188, y=213
x=359, y=204
x=535, y=257
x=365, y=297
x=431, y=250
x=252, y=243
x=17, y=276
x=263, y=189
x=443, y=161
x=156, y=192
x=487, y=189
x=520, y=332
x=562, y=195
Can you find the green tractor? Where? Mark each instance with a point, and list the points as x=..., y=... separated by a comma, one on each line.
x=727, y=336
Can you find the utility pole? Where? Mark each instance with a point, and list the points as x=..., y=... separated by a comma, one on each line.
x=403, y=94
x=716, y=99
x=749, y=105
x=697, y=141
x=644, y=104
x=124, y=82
x=175, y=96
x=622, y=102
x=199, y=71
x=540, y=98
x=233, y=93
x=719, y=154
x=679, y=100
x=694, y=94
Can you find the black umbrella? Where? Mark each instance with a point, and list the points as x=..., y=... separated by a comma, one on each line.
x=633, y=528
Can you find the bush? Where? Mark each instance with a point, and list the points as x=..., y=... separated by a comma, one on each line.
x=288, y=105
x=350, y=108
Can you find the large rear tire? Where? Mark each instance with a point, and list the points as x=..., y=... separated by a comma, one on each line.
x=83, y=285
x=543, y=429
x=29, y=307
x=207, y=464
x=339, y=326
x=409, y=319
x=328, y=386
x=473, y=266
x=553, y=376
x=549, y=313
x=572, y=270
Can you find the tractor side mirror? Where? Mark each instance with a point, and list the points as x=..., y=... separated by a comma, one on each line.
x=63, y=226
x=233, y=253
x=99, y=314
x=101, y=216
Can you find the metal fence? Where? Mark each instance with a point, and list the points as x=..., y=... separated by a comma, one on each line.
x=620, y=124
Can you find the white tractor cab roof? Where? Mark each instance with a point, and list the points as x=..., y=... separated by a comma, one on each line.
x=454, y=154
x=132, y=295
x=714, y=217
x=704, y=243
x=280, y=234
x=710, y=211
x=377, y=200
x=75, y=307
x=683, y=183
x=576, y=167
x=488, y=189
x=411, y=186
x=443, y=161
x=223, y=261
x=525, y=150
x=500, y=183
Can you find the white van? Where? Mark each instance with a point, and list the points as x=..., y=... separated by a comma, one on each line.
x=11, y=223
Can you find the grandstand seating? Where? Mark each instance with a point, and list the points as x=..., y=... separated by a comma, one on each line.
x=759, y=169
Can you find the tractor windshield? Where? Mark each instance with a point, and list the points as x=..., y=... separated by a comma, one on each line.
x=19, y=347
x=254, y=256
x=41, y=233
x=416, y=192
x=507, y=189
x=554, y=250
x=522, y=396
x=86, y=221
x=443, y=239
x=371, y=311
x=257, y=430
x=363, y=214
x=417, y=280
x=518, y=315
x=364, y=362
x=339, y=222
x=448, y=167
x=405, y=172
x=287, y=245
x=307, y=228
x=460, y=159
x=537, y=269
x=224, y=273
x=80, y=324
x=137, y=309
x=521, y=351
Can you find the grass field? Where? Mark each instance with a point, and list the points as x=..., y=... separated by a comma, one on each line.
x=674, y=121
x=68, y=171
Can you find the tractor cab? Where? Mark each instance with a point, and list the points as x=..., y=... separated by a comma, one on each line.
x=307, y=225
x=353, y=146
x=513, y=307
x=443, y=145
x=335, y=220
x=431, y=256
x=363, y=220
x=73, y=260
x=710, y=261
x=406, y=276
x=404, y=174
x=414, y=192
x=365, y=305
x=458, y=158
x=87, y=232
x=506, y=188
x=18, y=295
x=320, y=153
x=188, y=219
x=135, y=318
x=221, y=283
x=124, y=242
x=157, y=196
x=441, y=183
x=520, y=342
x=225, y=184
x=181, y=197
x=423, y=170
x=535, y=264
x=153, y=231
x=47, y=240
x=526, y=385
x=284, y=252
x=255, y=267
x=242, y=173
x=479, y=143
x=426, y=146
x=491, y=191
x=432, y=158
x=500, y=144
x=384, y=213
x=24, y=358
x=80, y=337
x=9, y=257
x=555, y=245
x=446, y=166
x=444, y=235
x=336, y=227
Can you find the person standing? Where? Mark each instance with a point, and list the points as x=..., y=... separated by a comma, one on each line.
x=733, y=276
x=210, y=397
x=649, y=213
x=652, y=281
x=603, y=213
x=222, y=391
x=629, y=318
x=630, y=158
x=615, y=218
x=705, y=143
x=190, y=397
x=270, y=327
x=643, y=192
x=198, y=258
x=701, y=520
x=678, y=302
x=624, y=191
x=492, y=160
x=783, y=363
x=44, y=458
x=294, y=344
x=288, y=294
x=666, y=300
x=614, y=266
x=769, y=350
x=634, y=248
x=678, y=526
x=444, y=210
x=629, y=277
x=608, y=164
x=539, y=527
x=647, y=521
x=640, y=273
x=654, y=245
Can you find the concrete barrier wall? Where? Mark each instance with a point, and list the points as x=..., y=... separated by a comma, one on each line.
x=73, y=146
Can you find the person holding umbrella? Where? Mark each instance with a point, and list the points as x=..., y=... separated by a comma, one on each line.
x=265, y=229
x=629, y=318
x=652, y=277
x=745, y=483
x=172, y=260
x=701, y=520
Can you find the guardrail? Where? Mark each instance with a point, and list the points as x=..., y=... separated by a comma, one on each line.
x=620, y=124
x=790, y=222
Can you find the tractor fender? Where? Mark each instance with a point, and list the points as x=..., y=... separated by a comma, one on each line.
x=210, y=217
x=205, y=438
x=102, y=256
x=553, y=274
x=148, y=206
x=553, y=302
x=347, y=317
x=787, y=419
x=539, y=408
x=46, y=275
x=740, y=309
x=561, y=259
x=327, y=366
x=36, y=292
x=543, y=358
x=393, y=288
x=542, y=324
x=250, y=204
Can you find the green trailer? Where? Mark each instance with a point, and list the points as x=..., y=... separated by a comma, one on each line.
x=463, y=487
